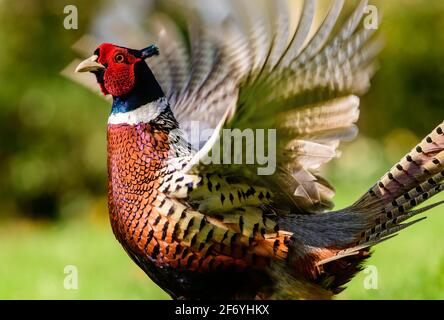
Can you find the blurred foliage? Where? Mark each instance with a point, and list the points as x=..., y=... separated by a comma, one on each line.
x=53, y=157
x=407, y=91
x=52, y=147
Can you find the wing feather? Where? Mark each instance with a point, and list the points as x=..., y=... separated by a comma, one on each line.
x=253, y=69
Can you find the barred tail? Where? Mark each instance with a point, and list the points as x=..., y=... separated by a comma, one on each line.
x=341, y=239
x=415, y=178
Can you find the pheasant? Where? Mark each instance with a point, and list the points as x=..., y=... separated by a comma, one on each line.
x=217, y=230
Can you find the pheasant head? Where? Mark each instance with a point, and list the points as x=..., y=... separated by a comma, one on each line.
x=123, y=73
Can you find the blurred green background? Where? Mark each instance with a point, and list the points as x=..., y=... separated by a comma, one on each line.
x=53, y=161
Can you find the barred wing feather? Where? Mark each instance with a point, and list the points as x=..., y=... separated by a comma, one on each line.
x=252, y=69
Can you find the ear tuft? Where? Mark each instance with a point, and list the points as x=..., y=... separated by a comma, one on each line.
x=149, y=51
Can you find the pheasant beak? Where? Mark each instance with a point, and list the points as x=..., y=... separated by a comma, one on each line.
x=90, y=64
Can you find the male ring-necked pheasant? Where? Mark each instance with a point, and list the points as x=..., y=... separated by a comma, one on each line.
x=205, y=231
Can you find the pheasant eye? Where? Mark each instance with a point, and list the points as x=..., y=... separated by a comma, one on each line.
x=119, y=58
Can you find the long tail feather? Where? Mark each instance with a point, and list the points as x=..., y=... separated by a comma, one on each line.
x=415, y=178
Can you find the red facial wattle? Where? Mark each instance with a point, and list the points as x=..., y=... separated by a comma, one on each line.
x=119, y=76
x=119, y=79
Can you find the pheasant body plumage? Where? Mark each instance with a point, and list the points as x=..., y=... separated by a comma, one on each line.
x=224, y=231
x=160, y=232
